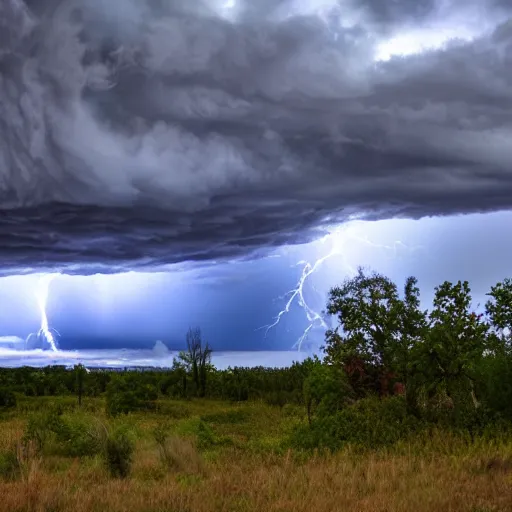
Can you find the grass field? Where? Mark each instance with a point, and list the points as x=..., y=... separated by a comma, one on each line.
x=232, y=457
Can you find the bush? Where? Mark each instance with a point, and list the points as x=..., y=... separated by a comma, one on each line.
x=326, y=390
x=9, y=465
x=119, y=448
x=67, y=435
x=79, y=436
x=370, y=423
x=7, y=399
x=127, y=394
x=41, y=427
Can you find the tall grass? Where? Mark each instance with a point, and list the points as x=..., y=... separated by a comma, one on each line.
x=168, y=471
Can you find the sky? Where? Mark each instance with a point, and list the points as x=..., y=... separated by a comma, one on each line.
x=174, y=161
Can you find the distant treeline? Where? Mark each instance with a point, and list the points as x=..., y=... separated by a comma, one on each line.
x=237, y=384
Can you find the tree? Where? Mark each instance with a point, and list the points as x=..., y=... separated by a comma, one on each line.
x=499, y=309
x=175, y=381
x=325, y=390
x=413, y=328
x=369, y=313
x=80, y=372
x=197, y=359
x=455, y=343
x=366, y=307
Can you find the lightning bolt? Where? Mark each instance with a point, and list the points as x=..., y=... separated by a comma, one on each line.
x=42, y=299
x=337, y=238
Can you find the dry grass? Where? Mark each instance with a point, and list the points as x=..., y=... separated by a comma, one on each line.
x=246, y=484
x=181, y=455
x=237, y=480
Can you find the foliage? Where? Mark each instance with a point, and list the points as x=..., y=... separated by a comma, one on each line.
x=127, y=394
x=9, y=465
x=80, y=372
x=454, y=346
x=7, y=399
x=326, y=390
x=69, y=435
x=494, y=383
x=413, y=328
x=377, y=331
x=367, y=310
x=499, y=309
x=41, y=427
x=80, y=436
x=369, y=423
x=119, y=448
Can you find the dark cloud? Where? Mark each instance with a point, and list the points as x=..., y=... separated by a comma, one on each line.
x=145, y=133
x=399, y=11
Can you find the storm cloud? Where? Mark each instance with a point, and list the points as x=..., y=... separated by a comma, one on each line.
x=139, y=133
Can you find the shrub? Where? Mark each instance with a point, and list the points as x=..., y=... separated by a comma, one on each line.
x=127, y=394
x=69, y=435
x=370, y=423
x=9, y=466
x=79, y=436
x=118, y=454
x=326, y=390
x=41, y=427
x=7, y=399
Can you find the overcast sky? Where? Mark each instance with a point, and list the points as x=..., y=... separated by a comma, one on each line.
x=137, y=134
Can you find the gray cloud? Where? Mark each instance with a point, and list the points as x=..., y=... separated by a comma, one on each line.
x=146, y=133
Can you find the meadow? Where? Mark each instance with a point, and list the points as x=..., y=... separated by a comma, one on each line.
x=209, y=455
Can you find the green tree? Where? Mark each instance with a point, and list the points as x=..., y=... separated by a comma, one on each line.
x=80, y=372
x=499, y=309
x=175, y=381
x=455, y=343
x=326, y=390
x=368, y=315
x=413, y=328
x=377, y=329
